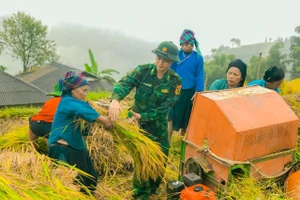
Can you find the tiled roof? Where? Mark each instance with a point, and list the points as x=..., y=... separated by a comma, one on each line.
x=16, y=92
x=46, y=77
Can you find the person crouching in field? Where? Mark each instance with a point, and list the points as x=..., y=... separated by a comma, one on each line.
x=272, y=79
x=66, y=142
x=236, y=74
x=40, y=124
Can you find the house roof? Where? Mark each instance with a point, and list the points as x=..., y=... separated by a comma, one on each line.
x=46, y=77
x=16, y=92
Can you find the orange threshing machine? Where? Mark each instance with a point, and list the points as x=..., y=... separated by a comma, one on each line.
x=247, y=131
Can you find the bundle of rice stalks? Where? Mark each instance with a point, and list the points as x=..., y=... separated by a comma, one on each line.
x=25, y=175
x=116, y=188
x=125, y=103
x=32, y=176
x=8, y=124
x=108, y=157
x=17, y=112
x=18, y=140
x=294, y=102
x=147, y=155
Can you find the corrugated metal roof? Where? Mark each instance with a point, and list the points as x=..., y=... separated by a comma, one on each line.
x=46, y=77
x=33, y=75
x=14, y=91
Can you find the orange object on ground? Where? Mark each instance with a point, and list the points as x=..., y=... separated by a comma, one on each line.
x=249, y=131
x=197, y=192
x=48, y=110
x=292, y=185
x=243, y=124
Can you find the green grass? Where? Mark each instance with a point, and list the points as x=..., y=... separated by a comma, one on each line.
x=250, y=189
x=94, y=96
x=18, y=112
x=296, y=157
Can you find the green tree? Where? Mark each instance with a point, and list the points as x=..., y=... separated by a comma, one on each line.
x=3, y=68
x=213, y=52
x=25, y=38
x=233, y=42
x=297, y=29
x=252, y=68
x=238, y=42
x=108, y=73
x=1, y=47
x=295, y=54
x=93, y=69
x=275, y=58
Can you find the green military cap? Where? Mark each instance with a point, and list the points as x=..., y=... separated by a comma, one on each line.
x=167, y=50
x=56, y=92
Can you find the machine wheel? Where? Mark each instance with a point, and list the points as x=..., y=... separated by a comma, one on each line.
x=193, y=166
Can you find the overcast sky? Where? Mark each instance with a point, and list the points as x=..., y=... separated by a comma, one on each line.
x=215, y=22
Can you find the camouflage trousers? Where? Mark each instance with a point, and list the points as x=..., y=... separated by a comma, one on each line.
x=158, y=133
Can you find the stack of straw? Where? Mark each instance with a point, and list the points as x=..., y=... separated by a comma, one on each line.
x=147, y=155
x=108, y=157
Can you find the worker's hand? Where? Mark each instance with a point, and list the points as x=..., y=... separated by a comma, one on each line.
x=106, y=121
x=114, y=109
x=135, y=115
x=193, y=97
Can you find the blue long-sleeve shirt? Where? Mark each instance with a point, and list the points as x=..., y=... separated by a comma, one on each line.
x=261, y=83
x=220, y=84
x=63, y=126
x=191, y=70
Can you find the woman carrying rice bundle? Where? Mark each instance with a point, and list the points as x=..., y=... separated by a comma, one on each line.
x=66, y=141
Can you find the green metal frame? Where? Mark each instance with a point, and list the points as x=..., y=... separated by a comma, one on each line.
x=182, y=163
x=244, y=167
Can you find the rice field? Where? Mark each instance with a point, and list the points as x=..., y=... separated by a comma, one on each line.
x=26, y=174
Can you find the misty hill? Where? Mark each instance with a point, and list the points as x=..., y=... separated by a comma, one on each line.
x=116, y=50
x=111, y=49
x=245, y=52
x=13, y=66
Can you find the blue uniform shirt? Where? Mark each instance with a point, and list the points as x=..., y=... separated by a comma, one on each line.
x=261, y=83
x=63, y=127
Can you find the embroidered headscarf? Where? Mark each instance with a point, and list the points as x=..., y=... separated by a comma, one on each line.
x=188, y=37
x=72, y=80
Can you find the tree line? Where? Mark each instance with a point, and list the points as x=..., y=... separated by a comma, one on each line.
x=216, y=67
x=25, y=38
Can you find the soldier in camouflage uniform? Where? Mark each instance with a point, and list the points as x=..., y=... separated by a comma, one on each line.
x=157, y=89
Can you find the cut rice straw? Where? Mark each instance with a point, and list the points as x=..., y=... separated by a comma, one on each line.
x=147, y=154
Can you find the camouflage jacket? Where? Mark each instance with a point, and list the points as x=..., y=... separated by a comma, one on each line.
x=153, y=98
